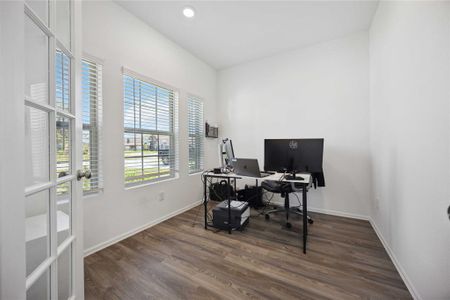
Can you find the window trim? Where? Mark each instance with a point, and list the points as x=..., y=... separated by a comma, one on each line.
x=174, y=135
x=128, y=72
x=92, y=58
x=151, y=182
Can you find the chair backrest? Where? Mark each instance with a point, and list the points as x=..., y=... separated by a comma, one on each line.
x=277, y=186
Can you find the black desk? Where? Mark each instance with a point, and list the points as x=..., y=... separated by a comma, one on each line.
x=304, y=184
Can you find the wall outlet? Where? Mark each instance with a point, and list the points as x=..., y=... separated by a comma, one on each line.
x=161, y=196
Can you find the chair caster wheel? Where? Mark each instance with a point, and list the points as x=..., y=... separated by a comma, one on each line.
x=288, y=225
x=267, y=217
x=310, y=221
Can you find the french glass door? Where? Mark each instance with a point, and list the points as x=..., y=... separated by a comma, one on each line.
x=51, y=187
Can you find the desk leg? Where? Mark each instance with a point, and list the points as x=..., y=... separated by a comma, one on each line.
x=229, y=205
x=258, y=196
x=205, y=202
x=305, y=218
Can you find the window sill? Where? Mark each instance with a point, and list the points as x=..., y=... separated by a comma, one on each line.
x=93, y=194
x=138, y=186
x=197, y=173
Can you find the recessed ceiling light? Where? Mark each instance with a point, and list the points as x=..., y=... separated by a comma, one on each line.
x=188, y=12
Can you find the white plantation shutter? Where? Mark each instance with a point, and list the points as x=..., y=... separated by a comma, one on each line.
x=92, y=121
x=196, y=134
x=150, y=127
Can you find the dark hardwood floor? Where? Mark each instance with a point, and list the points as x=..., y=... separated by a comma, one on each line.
x=178, y=259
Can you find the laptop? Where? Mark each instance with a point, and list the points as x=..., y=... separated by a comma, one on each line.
x=248, y=167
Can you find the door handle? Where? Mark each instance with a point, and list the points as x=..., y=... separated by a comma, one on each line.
x=84, y=173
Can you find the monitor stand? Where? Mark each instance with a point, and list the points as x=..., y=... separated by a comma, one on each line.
x=294, y=176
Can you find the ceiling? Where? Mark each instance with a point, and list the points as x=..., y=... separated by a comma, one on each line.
x=227, y=33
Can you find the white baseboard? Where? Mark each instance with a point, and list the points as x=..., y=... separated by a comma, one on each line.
x=400, y=270
x=125, y=235
x=339, y=213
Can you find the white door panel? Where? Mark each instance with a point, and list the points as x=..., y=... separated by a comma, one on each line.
x=40, y=127
x=51, y=142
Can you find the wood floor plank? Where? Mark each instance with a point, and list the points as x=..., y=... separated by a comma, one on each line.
x=178, y=259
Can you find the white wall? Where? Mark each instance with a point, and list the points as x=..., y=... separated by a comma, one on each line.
x=318, y=91
x=409, y=98
x=120, y=39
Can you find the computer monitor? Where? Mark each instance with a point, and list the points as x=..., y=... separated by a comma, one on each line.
x=293, y=155
x=226, y=152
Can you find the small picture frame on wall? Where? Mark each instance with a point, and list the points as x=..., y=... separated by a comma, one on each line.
x=211, y=131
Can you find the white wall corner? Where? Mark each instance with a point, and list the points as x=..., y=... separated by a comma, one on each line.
x=414, y=293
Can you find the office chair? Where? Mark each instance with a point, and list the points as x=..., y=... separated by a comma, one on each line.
x=283, y=188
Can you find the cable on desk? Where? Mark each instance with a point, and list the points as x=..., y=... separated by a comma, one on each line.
x=280, y=180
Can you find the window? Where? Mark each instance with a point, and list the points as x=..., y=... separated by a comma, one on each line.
x=150, y=126
x=92, y=119
x=195, y=119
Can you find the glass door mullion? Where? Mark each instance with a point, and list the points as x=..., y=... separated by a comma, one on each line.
x=53, y=152
x=74, y=143
x=34, y=189
x=64, y=50
x=35, y=18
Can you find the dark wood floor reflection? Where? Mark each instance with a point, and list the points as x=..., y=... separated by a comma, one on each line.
x=178, y=259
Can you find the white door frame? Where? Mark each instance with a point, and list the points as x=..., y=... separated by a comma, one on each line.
x=12, y=200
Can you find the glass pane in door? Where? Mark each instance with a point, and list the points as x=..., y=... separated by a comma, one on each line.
x=63, y=210
x=63, y=146
x=36, y=146
x=40, y=290
x=37, y=224
x=36, y=62
x=64, y=274
x=62, y=81
x=62, y=9
x=40, y=8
